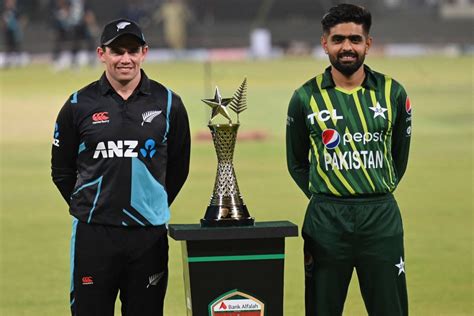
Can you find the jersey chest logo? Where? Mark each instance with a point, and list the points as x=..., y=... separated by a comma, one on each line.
x=124, y=148
x=120, y=148
x=100, y=118
x=324, y=116
x=378, y=110
x=149, y=116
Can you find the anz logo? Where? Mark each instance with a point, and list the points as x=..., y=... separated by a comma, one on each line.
x=124, y=148
x=149, y=149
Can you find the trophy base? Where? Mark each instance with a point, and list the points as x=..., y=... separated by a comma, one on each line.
x=226, y=216
x=227, y=222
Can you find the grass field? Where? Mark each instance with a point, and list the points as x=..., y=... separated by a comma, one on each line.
x=436, y=195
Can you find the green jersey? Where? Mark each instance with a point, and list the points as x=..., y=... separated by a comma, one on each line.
x=348, y=143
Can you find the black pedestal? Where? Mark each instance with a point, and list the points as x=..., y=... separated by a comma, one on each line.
x=233, y=271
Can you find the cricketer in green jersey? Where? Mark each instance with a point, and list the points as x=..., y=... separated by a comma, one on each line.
x=347, y=141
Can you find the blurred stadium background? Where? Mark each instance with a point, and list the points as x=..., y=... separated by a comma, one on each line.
x=427, y=45
x=401, y=27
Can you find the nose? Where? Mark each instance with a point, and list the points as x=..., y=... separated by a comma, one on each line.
x=125, y=58
x=346, y=45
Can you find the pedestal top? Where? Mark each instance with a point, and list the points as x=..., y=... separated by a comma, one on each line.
x=275, y=229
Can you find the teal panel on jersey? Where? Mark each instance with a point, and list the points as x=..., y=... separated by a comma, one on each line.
x=132, y=217
x=97, y=181
x=73, y=253
x=82, y=147
x=168, y=110
x=74, y=98
x=148, y=196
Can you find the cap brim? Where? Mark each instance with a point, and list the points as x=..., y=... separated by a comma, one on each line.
x=119, y=35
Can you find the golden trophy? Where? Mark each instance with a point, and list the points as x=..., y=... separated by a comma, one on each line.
x=226, y=207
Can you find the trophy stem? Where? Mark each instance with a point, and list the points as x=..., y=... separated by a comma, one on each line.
x=226, y=207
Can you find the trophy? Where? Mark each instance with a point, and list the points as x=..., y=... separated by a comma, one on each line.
x=226, y=207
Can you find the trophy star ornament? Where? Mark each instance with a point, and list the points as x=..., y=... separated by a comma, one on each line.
x=218, y=105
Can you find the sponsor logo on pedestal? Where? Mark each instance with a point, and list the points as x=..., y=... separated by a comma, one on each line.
x=236, y=303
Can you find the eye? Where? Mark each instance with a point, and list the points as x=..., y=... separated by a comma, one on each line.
x=116, y=51
x=337, y=39
x=356, y=39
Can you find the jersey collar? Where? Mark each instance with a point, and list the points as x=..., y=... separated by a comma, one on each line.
x=143, y=86
x=368, y=83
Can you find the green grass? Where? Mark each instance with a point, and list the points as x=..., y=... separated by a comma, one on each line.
x=436, y=195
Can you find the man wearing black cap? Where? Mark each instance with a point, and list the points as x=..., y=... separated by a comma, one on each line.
x=120, y=156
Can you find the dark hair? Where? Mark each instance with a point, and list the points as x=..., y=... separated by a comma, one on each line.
x=346, y=13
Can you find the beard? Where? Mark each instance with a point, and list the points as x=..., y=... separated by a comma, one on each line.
x=347, y=68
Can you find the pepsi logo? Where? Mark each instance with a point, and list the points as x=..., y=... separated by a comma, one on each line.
x=331, y=138
x=408, y=105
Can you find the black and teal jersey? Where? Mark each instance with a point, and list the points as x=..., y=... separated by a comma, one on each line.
x=348, y=143
x=121, y=162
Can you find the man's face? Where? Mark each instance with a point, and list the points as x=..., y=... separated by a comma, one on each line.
x=346, y=45
x=123, y=58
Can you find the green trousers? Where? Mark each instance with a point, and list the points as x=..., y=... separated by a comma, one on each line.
x=341, y=234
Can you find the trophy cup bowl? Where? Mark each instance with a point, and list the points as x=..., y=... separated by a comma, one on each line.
x=226, y=207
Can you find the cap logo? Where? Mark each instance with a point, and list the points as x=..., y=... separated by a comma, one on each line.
x=122, y=25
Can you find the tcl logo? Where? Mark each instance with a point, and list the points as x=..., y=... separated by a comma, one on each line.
x=100, y=118
x=323, y=116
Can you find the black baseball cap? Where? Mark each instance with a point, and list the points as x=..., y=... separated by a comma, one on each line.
x=117, y=28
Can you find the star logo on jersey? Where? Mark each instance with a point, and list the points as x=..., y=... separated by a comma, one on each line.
x=401, y=266
x=378, y=110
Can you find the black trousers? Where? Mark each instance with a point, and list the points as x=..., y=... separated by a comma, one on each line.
x=108, y=259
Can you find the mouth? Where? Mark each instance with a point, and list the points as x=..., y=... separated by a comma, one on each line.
x=124, y=70
x=347, y=57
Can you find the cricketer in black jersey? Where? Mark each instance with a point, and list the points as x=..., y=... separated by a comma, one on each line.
x=120, y=156
x=121, y=162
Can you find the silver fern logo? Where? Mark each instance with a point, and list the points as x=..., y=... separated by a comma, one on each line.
x=154, y=279
x=149, y=116
x=122, y=25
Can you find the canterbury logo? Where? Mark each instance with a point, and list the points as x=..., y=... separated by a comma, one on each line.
x=154, y=279
x=87, y=280
x=149, y=116
x=100, y=117
x=122, y=25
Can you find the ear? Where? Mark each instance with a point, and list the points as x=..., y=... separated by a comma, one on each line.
x=368, y=44
x=100, y=53
x=144, y=52
x=324, y=43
